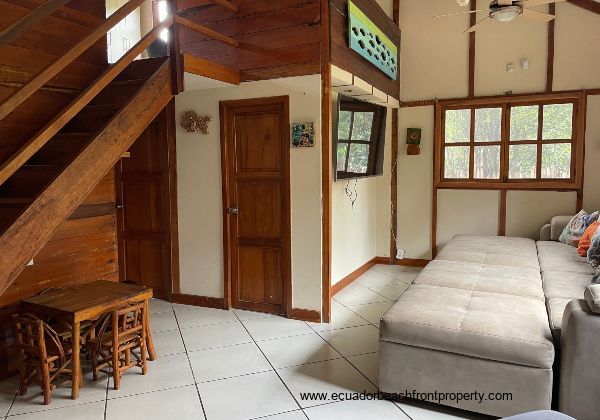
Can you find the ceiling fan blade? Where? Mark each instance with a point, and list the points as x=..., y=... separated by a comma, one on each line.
x=537, y=16
x=461, y=13
x=531, y=3
x=479, y=24
x=505, y=2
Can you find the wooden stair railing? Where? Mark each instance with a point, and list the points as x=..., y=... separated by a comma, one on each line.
x=19, y=27
x=37, y=223
x=18, y=159
x=52, y=70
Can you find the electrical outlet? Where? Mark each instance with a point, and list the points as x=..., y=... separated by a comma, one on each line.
x=400, y=254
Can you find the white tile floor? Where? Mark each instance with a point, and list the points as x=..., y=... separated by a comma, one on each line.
x=244, y=365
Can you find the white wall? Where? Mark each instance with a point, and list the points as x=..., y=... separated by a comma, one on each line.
x=361, y=233
x=353, y=229
x=434, y=64
x=199, y=190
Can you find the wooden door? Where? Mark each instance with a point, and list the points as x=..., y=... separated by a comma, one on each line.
x=256, y=198
x=146, y=206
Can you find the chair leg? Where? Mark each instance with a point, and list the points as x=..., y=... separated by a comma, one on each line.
x=144, y=356
x=116, y=368
x=46, y=384
x=23, y=380
x=93, y=356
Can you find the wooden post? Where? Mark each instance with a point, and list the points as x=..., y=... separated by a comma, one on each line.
x=175, y=52
x=472, y=21
x=326, y=157
x=394, y=169
x=550, y=65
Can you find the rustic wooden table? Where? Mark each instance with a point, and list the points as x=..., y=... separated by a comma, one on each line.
x=87, y=302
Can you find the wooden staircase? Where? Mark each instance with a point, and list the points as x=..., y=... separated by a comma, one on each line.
x=45, y=181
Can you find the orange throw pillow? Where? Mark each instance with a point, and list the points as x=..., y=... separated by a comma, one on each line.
x=586, y=239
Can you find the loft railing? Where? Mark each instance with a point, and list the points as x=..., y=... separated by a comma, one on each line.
x=18, y=159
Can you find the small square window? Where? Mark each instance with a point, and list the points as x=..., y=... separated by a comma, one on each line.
x=456, y=162
x=488, y=124
x=558, y=122
x=458, y=126
x=524, y=122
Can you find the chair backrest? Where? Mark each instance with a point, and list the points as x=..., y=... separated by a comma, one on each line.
x=131, y=318
x=35, y=338
x=127, y=320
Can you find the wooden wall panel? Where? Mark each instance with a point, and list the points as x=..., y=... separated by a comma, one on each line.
x=278, y=39
x=341, y=54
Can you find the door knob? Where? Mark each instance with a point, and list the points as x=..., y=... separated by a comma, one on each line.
x=233, y=210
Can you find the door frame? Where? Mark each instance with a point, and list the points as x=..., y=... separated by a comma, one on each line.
x=225, y=110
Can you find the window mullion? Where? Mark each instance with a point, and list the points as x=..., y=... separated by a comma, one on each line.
x=505, y=139
x=538, y=170
x=472, y=146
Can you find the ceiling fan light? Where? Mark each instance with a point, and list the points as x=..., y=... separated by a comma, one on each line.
x=506, y=14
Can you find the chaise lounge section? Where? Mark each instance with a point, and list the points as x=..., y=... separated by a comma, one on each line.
x=486, y=316
x=474, y=320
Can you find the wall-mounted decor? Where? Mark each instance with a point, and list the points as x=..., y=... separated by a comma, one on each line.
x=191, y=122
x=303, y=134
x=413, y=140
x=371, y=43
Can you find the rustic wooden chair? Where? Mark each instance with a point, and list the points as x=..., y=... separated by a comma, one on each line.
x=120, y=342
x=42, y=354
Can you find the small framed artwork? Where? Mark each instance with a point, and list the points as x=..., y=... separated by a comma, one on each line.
x=303, y=134
x=413, y=136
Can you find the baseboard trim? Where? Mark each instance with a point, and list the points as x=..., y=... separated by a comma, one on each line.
x=347, y=281
x=309, y=315
x=406, y=262
x=202, y=301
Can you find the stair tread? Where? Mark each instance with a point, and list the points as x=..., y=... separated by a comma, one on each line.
x=101, y=107
x=75, y=134
x=16, y=200
x=127, y=82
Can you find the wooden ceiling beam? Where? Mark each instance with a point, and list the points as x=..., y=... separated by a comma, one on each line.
x=192, y=4
x=207, y=31
x=226, y=4
x=210, y=69
x=589, y=5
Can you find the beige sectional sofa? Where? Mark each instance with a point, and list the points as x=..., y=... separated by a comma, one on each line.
x=481, y=318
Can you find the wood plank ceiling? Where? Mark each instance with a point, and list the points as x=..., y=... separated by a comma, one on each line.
x=276, y=38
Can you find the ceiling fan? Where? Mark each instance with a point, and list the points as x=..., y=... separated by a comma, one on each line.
x=508, y=10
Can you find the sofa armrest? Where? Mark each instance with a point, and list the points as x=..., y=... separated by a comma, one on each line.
x=592, y=298
x=579, y=362
x=546, y=233
x=552, y=231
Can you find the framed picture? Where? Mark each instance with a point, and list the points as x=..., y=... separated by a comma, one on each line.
x=303, y=134
x=413, y=136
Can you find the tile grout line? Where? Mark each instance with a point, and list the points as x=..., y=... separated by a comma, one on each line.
x=12, y=402
x=106, y=398
x=270, y=364
x=190, y=364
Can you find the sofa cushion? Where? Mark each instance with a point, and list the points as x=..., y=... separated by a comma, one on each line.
x=491, y=326
x=566, y=285
x=491, y=250
x=556, y=256
x=518, y=281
